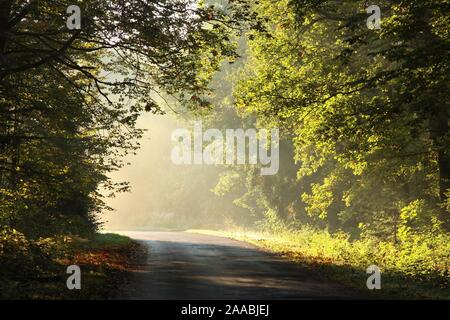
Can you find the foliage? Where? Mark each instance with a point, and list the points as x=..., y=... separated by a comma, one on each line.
x=69, y=99
x=364, y=116
x=365, y=121
x=367, y=109
x=36, y=269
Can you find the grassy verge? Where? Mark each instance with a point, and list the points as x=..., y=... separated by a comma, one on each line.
x=407, y=272
x=104, y=260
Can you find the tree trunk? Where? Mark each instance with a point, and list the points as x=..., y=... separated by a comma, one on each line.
x=5, y=12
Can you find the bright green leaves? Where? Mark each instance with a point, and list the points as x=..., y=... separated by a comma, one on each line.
x=358, y=102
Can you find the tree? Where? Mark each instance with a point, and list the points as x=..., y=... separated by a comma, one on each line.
x=69, y=99
x=369, y=108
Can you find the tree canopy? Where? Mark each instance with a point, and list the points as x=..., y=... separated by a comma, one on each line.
x=69, y=99
x=368, y=108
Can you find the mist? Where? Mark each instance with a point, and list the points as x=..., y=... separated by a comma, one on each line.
x=164, y=194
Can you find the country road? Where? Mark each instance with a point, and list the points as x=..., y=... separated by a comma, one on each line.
x=183, y=265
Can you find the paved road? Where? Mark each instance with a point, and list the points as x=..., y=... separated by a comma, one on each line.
x=192, y=266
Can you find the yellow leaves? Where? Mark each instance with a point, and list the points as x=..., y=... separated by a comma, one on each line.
x=439, y=24
x=410, y=211
x=63, y=171
x=358, y=167
x=319, y=200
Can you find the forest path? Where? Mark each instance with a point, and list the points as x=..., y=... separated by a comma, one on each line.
x=192, y=266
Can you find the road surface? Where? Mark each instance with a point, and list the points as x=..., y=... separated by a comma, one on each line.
x=193, y=266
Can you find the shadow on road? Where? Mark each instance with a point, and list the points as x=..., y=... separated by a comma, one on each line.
x=187, y=266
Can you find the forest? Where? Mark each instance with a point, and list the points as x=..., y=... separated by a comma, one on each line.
x=363, y=117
